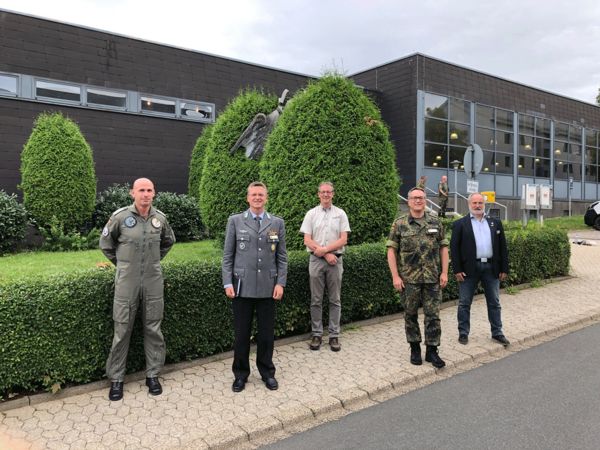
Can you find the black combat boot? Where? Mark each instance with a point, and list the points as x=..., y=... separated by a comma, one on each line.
x=431, y=355
x=415, y=353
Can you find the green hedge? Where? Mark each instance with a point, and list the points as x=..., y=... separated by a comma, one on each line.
x=59, y=330
x=197, y=161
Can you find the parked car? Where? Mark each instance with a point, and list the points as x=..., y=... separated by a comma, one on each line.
x=592, y=215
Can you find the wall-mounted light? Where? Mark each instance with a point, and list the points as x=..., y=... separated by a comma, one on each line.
x=485, y=169
x=520, y=166
x=462, y=167
x=557, y=151
x=537, y=159
x=454, y=135
x=434, y=164
x=527, y=147
x=560, y=163
x=438, y=157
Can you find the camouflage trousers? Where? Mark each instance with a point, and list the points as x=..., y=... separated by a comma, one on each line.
x=443, y=205
x=429, y=296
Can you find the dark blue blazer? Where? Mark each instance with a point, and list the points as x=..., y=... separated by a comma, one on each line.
x=463, y=252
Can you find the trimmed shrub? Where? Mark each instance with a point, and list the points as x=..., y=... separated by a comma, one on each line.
x=108, y=201
x=59, y=329
x=183, y=214
x=57, y=240
x=13, y=222
x=225, y=177
x=332, y=131
x=57, y=173
x=197, y=162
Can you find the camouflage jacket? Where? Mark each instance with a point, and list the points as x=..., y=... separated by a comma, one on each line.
x=417, y=243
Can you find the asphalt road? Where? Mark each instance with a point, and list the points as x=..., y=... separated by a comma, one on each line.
x=545, y=397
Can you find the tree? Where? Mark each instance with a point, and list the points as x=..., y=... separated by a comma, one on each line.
x=197, y=162
x=57, y=173
x=332, y=131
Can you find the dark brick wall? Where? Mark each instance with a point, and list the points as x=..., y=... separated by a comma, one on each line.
x=125, y=145
x=396, y=87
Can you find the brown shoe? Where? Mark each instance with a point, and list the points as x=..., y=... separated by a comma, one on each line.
x=315, y=343
x=334, y=344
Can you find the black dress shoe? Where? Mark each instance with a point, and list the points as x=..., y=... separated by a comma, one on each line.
x=501, y=339
x=116, y=391
x=239, y=384
x=315, y=343
x=271, y=383
x=154, y=387
x=463, y=339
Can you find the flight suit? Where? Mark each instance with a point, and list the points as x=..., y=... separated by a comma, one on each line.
x=136, y=246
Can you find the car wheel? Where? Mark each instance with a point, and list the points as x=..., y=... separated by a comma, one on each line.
x=597, y=223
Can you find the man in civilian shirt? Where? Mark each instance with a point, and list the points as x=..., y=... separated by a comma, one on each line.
x=479, y=253
x=325, y=229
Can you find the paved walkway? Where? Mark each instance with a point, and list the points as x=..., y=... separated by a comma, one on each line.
x=198, y=409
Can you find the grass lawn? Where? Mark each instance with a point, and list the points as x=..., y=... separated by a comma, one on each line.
x=563, y=223
x=40, y=264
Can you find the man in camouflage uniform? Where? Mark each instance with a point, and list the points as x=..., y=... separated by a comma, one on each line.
x=443, y=195
x=418, y=260
x=135, y=239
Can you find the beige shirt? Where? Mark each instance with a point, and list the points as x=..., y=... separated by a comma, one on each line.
x=325, y=225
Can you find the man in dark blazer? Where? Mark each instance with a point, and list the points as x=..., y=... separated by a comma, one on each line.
x=478, y=252
x=254, y=274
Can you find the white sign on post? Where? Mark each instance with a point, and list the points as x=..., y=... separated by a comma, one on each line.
x=472, y=186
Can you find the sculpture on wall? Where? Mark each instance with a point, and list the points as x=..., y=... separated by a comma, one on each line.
x=255, y=135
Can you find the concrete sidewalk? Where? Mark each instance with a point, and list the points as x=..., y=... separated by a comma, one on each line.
x=198, y=409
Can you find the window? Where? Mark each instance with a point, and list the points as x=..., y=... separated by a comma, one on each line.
x=8, y=84
x=104, y=97
x=436, y=155
x=194, y=110
x=57, y=91
x=436, y=106
x=157, y=105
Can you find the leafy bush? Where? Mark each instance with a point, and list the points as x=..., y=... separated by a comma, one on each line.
x=108, y=201
x=57, y=173
x=13, y=222
x=57, y=240
x=225, y=177
x=59, y=329
x=332, y=131
x=197, y=162
x=183, y=214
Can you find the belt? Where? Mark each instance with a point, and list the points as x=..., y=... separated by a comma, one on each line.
x=484, y=260
x=337, y=255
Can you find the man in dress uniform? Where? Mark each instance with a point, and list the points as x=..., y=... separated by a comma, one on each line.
x=135, y=239
x=254, y=274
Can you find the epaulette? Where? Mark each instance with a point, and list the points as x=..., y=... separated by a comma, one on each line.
x=119, y=210
x=160, y=212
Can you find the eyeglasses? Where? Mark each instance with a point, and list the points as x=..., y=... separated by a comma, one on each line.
x=417, y=198
x=325, y=192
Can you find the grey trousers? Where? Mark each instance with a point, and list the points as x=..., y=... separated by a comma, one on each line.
x=124, y=311
x=323, y=275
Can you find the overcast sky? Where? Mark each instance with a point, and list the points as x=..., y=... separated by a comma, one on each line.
x=552, y=45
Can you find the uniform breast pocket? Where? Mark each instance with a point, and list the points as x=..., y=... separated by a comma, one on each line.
x=243, y=242
x=408, y=241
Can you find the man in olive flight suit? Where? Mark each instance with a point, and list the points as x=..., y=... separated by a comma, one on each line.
x=135, y=239
x=418, y=261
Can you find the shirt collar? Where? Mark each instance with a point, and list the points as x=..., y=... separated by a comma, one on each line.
x=475, y=218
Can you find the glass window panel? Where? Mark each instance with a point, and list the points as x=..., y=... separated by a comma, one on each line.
x=575, y=134
x=157, y=105
x=436, y=155
x=525, y=166
x=561, y=131
x=460, y=110
x=575, y=171
x=561, y=151
x=488, y=162
x=485, y=138
x=57, y=91
x=436, y=106
x=575, y=152
x=526, y=145
x=542, y=148
x=591, y=173
x=526, y=124
x=8, y=84
x=590, y=137
x=561, y=170
x=459, y=134
x=457, y=154
x=542, y=127
x=504, y=142
x=591, y=154
x=436, y=130
x=106, y=98
x=542, y=167
x=504, y=163
x=484, y=116
x=504, y=119
x=195, y=110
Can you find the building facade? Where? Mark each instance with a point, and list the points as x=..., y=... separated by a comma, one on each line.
x=142, y=105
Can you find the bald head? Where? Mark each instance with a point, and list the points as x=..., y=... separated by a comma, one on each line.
x=142, y=193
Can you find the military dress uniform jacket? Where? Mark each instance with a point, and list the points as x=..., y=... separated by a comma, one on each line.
x=254, y=256
x=464, y=250
x=136, y=246
x=417, y=243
